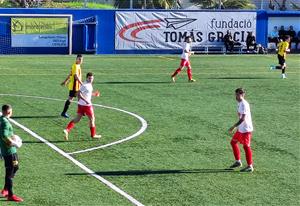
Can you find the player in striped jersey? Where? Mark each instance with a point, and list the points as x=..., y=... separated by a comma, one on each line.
x=74, y=80
x=283, y=48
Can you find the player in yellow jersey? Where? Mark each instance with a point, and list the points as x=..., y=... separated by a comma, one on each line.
x=74, y=80
x=283, y=48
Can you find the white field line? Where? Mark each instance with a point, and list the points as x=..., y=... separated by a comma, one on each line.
x=156, y=74
x=79, y=164
x=141, y=130
x=168, y=58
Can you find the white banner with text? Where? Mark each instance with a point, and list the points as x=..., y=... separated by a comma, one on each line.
x=167, y=30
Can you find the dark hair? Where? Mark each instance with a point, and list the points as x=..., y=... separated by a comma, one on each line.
x=79, y=56
x=187, y=37
x=286, y=37
x=89, y=74
x=6, y=107
x=240, y=91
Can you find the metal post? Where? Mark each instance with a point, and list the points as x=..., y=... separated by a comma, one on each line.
x=131, y=4
x=85, y=4
x=262, y=4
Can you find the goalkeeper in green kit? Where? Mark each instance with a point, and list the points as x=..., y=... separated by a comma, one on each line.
x=8, y=145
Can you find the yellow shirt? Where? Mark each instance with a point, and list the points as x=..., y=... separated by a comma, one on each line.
x=74, y=84
x=282, y=47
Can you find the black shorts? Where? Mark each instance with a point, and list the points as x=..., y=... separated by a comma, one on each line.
x=72, y=93
x=281, y=59
x=11, y=160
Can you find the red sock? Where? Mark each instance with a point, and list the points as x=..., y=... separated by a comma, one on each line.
x=189, y=73
x=70, y=126
x=176, y=72
x=248, y=153
x=93, y=131
x=236, y=150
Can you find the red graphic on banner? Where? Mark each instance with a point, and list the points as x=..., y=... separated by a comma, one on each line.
x=136, y=28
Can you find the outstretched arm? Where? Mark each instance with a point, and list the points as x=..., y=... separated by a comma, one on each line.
x=242, y=118
x=188, y=52
x=66, y=80
x=96, y=94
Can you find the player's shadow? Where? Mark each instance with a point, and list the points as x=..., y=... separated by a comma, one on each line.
x=134, y=82
x=36, y=117
x=59, y=141
x=154, y=172
x=230, y=78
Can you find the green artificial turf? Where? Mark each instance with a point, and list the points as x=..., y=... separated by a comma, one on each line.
x=181, y=157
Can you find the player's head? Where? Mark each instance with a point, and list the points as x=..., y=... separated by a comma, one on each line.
x=79, y=59
x=89, y=77
x=239, y=94
x=188, y=39
x=286, y=38
x=7, y=110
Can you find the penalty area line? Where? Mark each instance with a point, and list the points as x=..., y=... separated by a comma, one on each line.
x=79, y=164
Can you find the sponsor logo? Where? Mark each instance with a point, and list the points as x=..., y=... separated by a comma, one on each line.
x=135, y=28
x=177, y=23
x=130, y=31
x=16, y=26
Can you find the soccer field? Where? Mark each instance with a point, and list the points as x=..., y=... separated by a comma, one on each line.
x=178, y=155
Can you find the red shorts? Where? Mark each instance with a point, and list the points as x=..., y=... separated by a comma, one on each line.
x=85, y=110
x=185, y=62
x=243, y=138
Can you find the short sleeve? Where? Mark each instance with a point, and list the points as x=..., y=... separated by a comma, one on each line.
x=242, y=108
x=7, y=130
x=83, y=89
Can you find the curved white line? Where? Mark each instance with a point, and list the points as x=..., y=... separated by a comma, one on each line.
x=141, y=130
x=79, y=164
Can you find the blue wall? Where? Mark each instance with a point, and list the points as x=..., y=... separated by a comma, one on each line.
x=106, y=29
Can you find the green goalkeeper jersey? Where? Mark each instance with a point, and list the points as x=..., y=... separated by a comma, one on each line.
x=6, y=131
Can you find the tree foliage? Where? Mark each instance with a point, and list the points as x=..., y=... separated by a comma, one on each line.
x=205, y=3
x=150, y=4
x=227, y=4
x=24, y=3
x=238, y=4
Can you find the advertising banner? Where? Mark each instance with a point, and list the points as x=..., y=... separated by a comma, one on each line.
x=167, y=30
x=39, y=32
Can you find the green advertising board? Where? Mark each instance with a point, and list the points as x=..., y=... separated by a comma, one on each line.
x=39, y=25
x=39, y=31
